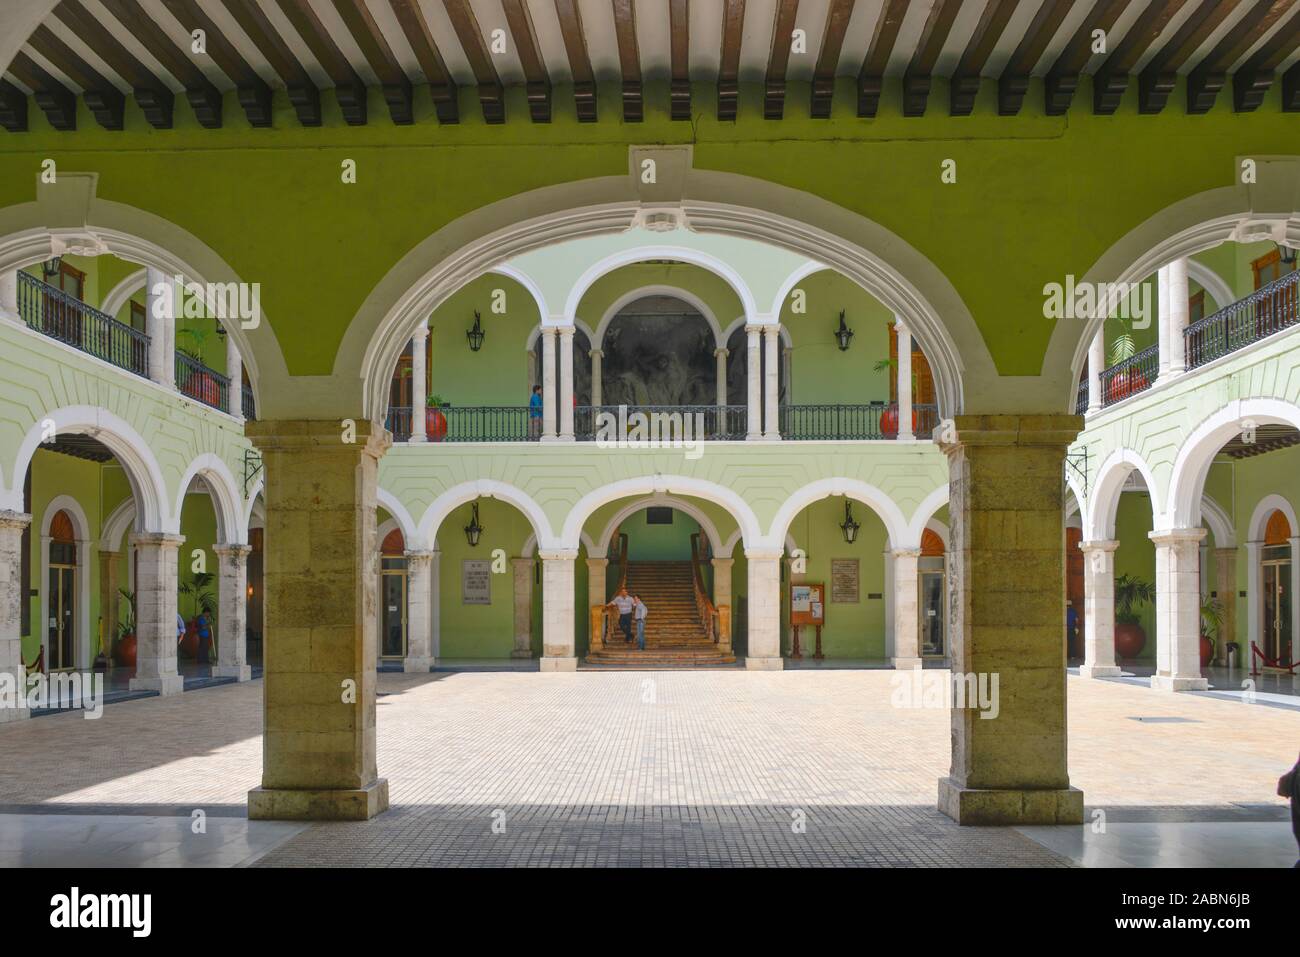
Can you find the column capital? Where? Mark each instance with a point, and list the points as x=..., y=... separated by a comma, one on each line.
x=1017, y=430
x=322, y=435
x=420, y=332
x=12, y=519
x=159, y=539
x=566, y=331
x=899, y=324
x=764, y=553
x=237, y=550
x=1099, y=545
x=418, y=556
x=722, y=562
x=557, y=554
x=596, y=353
x=1177, y=536
x=905, y=552
x=753, y=328
x=521, y=562
x=721, y=352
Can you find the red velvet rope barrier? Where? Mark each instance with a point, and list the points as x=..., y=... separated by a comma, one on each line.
x=1268, y=663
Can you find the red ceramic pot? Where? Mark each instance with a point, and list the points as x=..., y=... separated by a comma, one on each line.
x=435, y=424
x=124, y=652
x=1129, y=640
x=1207, y=651
x=889, y=422
x=189, y=645
x=1124, y=384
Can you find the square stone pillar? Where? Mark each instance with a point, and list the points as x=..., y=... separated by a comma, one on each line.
x=753, y=382
x=907, y=624
x=1178, y=610
x=156, y=581
x=1225, y=575
x=523, y=570
x=13, y=676
x=1254, y=607
x=558, y=603
x=722, y=599
x=1098, y=609
x=419, y=612
x=764, y=611
x=109, y=608
x=771, y=381
x=318, y=755
x=1007, y=598
x=232, y=611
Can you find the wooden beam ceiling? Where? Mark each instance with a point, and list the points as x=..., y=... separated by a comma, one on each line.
x=778, y=59
x=538, y=85
x=491, y=94
x=679, y=28
x=1254, y=77
x=303, y=92
x=733, y=24
x=871, y=76
x=1209, y=76
x=394, y=82
x=1161, y=72
x=965, y=83
x=629, y=60
x=575, y=46
x=106, y=102
x=349, y=91
x=1112, y=78
x=151, y=94
x=1063, y=77
x=1014, y=81
x=917, y=79
x=253, y=93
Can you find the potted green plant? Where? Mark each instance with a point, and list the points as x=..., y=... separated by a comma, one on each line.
x=125, y=647
x=1130, y=592
x=889, y=418
x=1211, y=622
x=1128, y=381
x=435, y=423
x=201, y=601
x=199, y=383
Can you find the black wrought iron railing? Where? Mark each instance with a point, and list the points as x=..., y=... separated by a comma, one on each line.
x=470, y=423
x=1081, y=399
x=1130, y=377
x=1269, y=309
x=399, y=422
x=865, y=422
x=197, y=381
x=659, y=422
x=247, y=403
x=55, y=313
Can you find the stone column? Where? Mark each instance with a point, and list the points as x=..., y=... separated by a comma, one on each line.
x=888, y=593
x=558, y=623
x=720, y=376
x=904, y=380
x=1096, y=363
x=1178, y=316
x=318, y=755
x=523, y=569
x=1254, y=609
x=1098, y=609
x=753, y=383
x=235, y=372
x=1295, y=604
x=764, y=612
x=13, y=676
x=1007, y=598
x=419, y=612
x=1225, y=575
x=597, y=356
x=566, y=383
x=155, y=613
x=9, y=296
x=548, y=384
x=159, y=311
x=419, y=384
x=771, y=382
x=1178, y=610
x=722, y=597
x=108, y=597
x=232, y=611
x=1162, y=319
x=907, y=625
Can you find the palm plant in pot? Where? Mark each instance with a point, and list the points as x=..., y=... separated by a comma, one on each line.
x=197, y=383
x=1130, y=593
x=435, y=423
x=889, y=418
x=1127, y=381
x=124, y=647
x=1211, y=622
x=202, y=601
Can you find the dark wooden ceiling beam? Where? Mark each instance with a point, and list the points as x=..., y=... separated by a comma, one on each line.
x=1013, y=84
x=1111, y=79
x=733, y=25
x=57, y=102
x=154, y=97
x=1159, y=76
x=442, y=85
x=349, y=90
x=1063, y=76
x=629, y=60
x=965, y=83
x=1252, y=79
x=302, y=90
x=537, y=79
x=491, y=95
x=679, y=31
x=1209, y=76
x=828, y=58
x=1291, y=90
x=575, y=45
x=871, y=76
x=918, y=76
x=778, y=59
x=13, y=107
x=393, y=81
x=106, y=101
x=252, y=91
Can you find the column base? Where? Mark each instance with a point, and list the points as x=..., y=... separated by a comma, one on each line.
x=417, y=665
x=171, y=684
x=326, y=804
x=1179, y=683
x=906, y=664
x=982, y=807
x=14, y=714
x=764, y=664
x=549, y=663
x=522, y=653
x=238, y=672
x=1100, y=671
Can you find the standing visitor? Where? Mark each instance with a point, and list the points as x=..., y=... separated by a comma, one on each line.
x=623, y=602
x=640, y=611
x=535, y=413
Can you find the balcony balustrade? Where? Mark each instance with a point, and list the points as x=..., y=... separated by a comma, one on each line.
x=202, y=383
x=54, y=313
x=1267, y=310
x=248, y=405
x=1130, y=377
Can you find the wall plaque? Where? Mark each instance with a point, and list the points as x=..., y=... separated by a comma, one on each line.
x=476, y=582
x=844, y=580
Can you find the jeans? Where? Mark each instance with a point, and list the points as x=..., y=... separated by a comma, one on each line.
x=625, y=626
x=640, y=634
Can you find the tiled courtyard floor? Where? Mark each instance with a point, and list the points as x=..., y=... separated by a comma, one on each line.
x=723, y=767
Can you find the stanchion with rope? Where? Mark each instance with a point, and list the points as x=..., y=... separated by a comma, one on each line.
x=1268, y=662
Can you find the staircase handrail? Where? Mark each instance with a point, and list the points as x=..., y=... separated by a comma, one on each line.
x=703, y=604
x=622, y=561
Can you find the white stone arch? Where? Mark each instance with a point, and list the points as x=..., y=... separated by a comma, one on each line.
x=925, y=513
x=1211, y=282
x=224, y=492
x=530, y=546
x=1076, y=503
x=1109, y=485
x=658, y=289
x=740, y=322
x=660, y=486
x=527, y=281
x=143, y=472
x=1219, y=521
x=900, y=534
x=117, y=297
x=81, y=610
x=115, y=526
x=530, y=344
x=254, y=502
x=1192, y=465
x=457, y=495
x=682, y=505
x=1263, y=509
x=940, y=529
x=801, y=273
x=399, y=514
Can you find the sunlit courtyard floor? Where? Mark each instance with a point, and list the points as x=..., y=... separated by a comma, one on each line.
x=689, y=768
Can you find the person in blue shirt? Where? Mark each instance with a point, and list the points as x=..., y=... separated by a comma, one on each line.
x=204, y=625
x=535, y=412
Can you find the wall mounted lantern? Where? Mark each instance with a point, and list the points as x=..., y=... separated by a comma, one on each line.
x=843, y=334
x=473, y=530
x=51, y=267
x=848, y=526
x=475, y=335
x=1287, y=254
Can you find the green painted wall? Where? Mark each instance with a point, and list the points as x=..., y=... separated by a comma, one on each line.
x=1136, y=556
x=498, y=373
x=821, y=373
x=659, y=543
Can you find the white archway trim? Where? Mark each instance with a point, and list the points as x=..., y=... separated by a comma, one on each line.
x=925, y=513
x=940, y=529
x=393, y=506
x=1104, y=503
x=901, y=535
x=1211, y=282
x=123, y=441
x=385, y=529
x=116, y=525
x=661, y=485
x=694, y=511
x=740, y=322
x=458, y=495
x=231, y=527
x=1076, y=503
x=1266, y=507
x=81, y=610
x=530, y=546
x=66, y=503
x=1220, y=523
x=531, y=343
x=796, y=277
x=117, y=296
x=675, y=292
x=1192, y=465
x=525, y=280
x=251, y=507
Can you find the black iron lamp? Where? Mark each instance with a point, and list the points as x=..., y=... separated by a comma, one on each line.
x=843, y=334
x=473, y=530
x=1287, y=254
x=51, y=267
x=475, y=335
x=849, y=527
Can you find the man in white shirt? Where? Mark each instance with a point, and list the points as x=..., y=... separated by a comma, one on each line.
x=624, y=603
x=639, y=611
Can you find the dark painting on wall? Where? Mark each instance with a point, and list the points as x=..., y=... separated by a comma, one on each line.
x=658, y=351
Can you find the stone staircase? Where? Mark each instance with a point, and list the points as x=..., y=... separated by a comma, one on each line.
x=674, y=635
